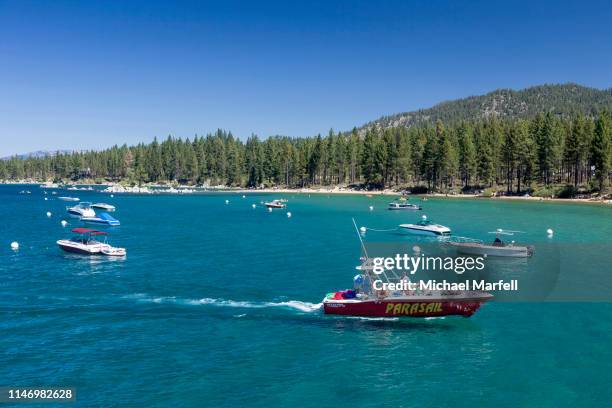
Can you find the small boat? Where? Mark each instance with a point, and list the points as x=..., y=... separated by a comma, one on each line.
x=82, y=209
x=113, y=251
x=103, y=219
x=49, y=185
x=103, y=206
x=275, y=204
x=86, y=243
x=402, y=205
x=426, y=227
x=497, y=248
x=63, y=198
x=366, y=301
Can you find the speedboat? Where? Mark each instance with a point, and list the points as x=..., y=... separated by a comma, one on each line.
x=366, y=301
x=434, y=304
x=82, y=209
x=103, y=219
x=275, y=204
x=402, y=205
x=49, y=185
x=426, y=227
x=498, y=247
x=103, y=206
x=63, y=198
x=86, y=243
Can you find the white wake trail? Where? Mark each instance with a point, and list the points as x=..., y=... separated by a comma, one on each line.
x=290, y=304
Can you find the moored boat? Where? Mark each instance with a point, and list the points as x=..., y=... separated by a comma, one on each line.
x=426, y=227
x=498, y=248
x=83, y=209
x=275, y=204
x=402, y=205
x=103, y=206
x=86, y=243
x=65, y=198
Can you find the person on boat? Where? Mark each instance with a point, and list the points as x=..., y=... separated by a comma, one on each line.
x=405, y=281
x=498, y=242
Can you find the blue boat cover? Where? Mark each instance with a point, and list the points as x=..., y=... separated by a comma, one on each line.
x=107, y=217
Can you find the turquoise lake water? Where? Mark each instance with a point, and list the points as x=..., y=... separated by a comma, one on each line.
x=216, y=305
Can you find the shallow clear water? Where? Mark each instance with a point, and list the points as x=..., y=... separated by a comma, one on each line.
x=217, y=305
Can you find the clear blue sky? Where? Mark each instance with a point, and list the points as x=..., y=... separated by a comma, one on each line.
x=87, y=74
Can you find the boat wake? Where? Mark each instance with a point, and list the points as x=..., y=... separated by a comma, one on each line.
x=290, y=304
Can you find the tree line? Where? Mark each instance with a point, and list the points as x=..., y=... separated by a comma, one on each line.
x=517, y=155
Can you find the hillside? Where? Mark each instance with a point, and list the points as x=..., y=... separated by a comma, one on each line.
x=562, y=100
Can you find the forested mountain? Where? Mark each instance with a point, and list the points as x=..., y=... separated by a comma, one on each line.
x=537, y=149
x=560, y=100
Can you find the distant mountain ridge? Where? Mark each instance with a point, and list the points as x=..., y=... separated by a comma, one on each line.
x=37, y=154
x=559, y=99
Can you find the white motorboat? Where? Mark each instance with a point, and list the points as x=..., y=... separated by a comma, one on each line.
x=82, y=209
x=275, y=204
x=49, y=185
x=103, y=206
x=64, y=198
x=86, y=243
x=402, y=205
x=497, y=248
x=426, y=227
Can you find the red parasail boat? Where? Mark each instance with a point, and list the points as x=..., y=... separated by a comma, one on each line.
x=446, y=304
x=368, y=302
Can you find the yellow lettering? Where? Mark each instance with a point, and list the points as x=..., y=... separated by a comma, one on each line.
x=406, y=308
x=389, y=308
x=430, y=307
x=397, y=309
x=414, y=308
x=422, y=307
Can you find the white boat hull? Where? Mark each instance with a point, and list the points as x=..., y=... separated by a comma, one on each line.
x=415, y=230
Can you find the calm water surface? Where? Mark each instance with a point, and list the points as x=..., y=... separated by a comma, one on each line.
x=217, y=305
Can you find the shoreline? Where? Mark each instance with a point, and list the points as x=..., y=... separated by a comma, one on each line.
x=334, y=191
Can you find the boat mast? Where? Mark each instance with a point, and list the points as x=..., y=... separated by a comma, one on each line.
x=360, y=240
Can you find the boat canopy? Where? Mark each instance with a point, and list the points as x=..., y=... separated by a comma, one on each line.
x=88, y=231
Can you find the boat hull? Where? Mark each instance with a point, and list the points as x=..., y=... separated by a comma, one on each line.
x=100, y=222
x=403, y=307
x=79, y=249
x=491, y=250
x=416, y=231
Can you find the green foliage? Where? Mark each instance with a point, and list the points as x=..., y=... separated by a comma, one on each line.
x=511, y=154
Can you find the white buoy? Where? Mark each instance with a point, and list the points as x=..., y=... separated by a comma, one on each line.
x=416, y=249
x=46, y=199
x=112, y=195
x=371, y=208
x=243, y=196
x=424, y=217
x=289, y=215
x=64, y=223
x=14, y=245
x=550, y=232
x=269, y=209
x=254, y=206
x=48, y=213
x=363, y=230
x=226, y=201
